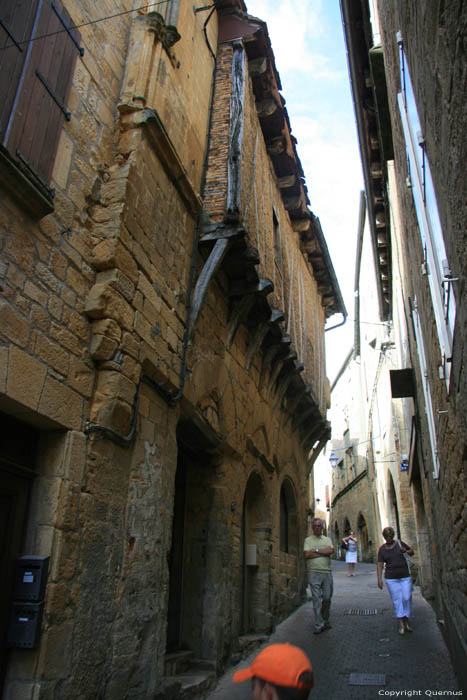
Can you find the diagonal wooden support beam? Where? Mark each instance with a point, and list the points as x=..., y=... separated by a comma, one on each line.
x=270, y=356
x=240, y=312
x=304, y=415
x=210, y=268
x=285, y=381
x=240, y=289
x=323, y=439
x=248, y=293
x=279, y=363
x=311, y=435
x=260, y=334
x=292, y=406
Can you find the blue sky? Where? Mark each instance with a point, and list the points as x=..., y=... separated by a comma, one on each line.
x=308, y=44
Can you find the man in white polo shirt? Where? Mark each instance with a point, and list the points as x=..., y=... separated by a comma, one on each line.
x=317, y=551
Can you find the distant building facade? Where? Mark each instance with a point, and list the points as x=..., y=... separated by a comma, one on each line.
x=408, y=73
x=370, y=484
x=164, y=292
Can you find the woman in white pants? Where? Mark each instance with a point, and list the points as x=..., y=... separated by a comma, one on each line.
x=351, y=553
x=397, y=576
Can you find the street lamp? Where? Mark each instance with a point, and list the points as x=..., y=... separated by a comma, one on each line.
x=334, y=459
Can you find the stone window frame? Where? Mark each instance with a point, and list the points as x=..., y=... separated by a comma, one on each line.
x=435, y=266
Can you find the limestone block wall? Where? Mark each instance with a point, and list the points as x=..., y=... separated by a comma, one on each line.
x=94, y=314
x=436, y=61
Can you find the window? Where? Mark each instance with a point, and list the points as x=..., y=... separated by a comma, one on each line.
x=426, y=389
x=284, y=523
x=38, y=51
x=288, y=526
x=436, y=265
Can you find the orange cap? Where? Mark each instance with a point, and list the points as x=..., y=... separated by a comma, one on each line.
x=280, y=664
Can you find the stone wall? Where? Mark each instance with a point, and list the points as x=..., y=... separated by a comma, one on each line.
x=94, y=310
x=436, y=61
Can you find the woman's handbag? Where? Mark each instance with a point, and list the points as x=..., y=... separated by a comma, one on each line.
x=344, y=545
x=406, y=556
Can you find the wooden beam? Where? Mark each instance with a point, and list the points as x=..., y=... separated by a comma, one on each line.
x=278, y=365
x=234, y=160
x=284, y=382
x=260, y=334
x=209, y=270
x=239, y=288
x=301, y=225
x=239, y=314
x=234, y=233
x=269, y=356
x=266, y=107
x=258, y=66
x=276, y=146
x=286, y=181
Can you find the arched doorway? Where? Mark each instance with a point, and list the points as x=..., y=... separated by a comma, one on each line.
x=256, y=547
x=365, y=555
x=288, y=519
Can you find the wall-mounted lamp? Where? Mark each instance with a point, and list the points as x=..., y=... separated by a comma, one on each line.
x=334, y=459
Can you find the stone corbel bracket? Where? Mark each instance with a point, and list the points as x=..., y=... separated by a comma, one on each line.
x=166, y=34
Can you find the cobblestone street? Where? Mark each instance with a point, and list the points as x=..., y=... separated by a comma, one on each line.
x=365, y=644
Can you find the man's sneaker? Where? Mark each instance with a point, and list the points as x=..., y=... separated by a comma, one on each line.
x=318, y=630
x=326, y=626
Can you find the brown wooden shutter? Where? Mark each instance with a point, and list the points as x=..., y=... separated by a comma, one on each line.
x=40, y=109
x=16, y=24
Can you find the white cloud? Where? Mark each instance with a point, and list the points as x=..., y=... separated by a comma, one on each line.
x=292, y=26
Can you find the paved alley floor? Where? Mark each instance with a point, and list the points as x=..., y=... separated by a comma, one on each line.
x=365, y=644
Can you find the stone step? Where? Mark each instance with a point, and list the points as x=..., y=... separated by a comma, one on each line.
x=177, y=662
x=194, y=683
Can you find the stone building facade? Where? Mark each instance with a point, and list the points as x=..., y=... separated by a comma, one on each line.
x=408, y=72
x=370, y=485
x=163, y=391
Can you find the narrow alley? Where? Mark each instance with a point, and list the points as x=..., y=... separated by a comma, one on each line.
x=363, y=647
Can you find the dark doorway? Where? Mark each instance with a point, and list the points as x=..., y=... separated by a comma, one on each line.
x=196, y=539
x=176, y=568
x=256, y=544
x=17, y=459
x=365, y=555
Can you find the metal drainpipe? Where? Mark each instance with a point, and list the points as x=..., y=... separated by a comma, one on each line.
x=337, y=324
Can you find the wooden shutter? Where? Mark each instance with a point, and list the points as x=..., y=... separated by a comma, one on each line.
x=16, y=24
x=40, y=107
